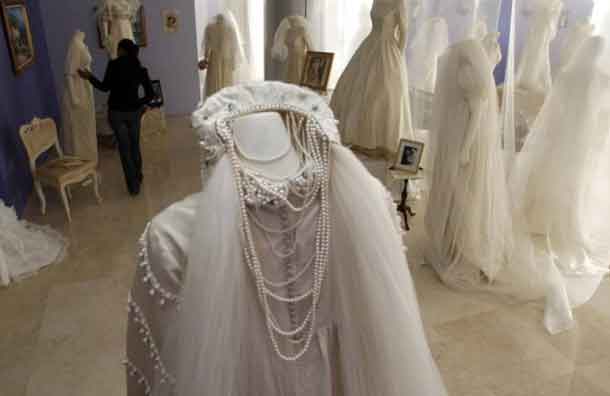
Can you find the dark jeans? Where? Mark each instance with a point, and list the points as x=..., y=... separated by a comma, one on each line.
x=126, y=128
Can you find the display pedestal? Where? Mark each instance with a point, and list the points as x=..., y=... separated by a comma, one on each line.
x=403, y=207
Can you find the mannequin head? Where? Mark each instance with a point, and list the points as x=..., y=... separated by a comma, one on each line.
x=220, y=19
x=128, y=48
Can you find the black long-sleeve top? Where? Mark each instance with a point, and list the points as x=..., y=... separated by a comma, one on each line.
x=124, y=77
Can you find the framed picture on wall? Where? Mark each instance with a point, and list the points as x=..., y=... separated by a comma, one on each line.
x=171, y=20
x=18, y=32
x=138, y=26
x=316, y=71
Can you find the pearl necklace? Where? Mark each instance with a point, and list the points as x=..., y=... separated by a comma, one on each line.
x=318, y=145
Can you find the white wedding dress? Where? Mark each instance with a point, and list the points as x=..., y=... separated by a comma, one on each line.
x=534, y=70
x=242, y=261
x=468, y=215
x=115, y=22
x=25, y=248
x=78, y=106
x=371, y=99
x=224, y=51
x=291, y=43
x=560, y=184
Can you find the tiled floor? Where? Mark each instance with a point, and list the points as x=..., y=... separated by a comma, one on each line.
x=61, y=332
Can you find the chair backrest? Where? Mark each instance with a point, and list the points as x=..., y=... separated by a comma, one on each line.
x=38, y=137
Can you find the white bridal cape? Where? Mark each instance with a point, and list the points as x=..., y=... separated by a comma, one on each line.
x=368, y=337
x=25, y=248
x=371, y=99
x=78, y=106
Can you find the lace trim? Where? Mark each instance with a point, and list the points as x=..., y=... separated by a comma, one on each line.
x=148, y=340
x=134, y=371
x=150, y=279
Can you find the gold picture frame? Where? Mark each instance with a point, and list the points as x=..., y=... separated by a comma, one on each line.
x=317, y=69
x=18, y=34
x=409, y=156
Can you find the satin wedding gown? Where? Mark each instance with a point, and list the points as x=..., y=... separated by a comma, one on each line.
x=25, y=248
x=242, y=261
x=291, y=43
x=371, y=99
x=467, y=219
x=78, y=106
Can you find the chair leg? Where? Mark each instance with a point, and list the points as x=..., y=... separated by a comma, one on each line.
x=96, y=187
x=64, y=198
x=43, y=200
x=69, y=192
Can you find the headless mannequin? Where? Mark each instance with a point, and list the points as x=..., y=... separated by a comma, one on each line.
x=264, y=144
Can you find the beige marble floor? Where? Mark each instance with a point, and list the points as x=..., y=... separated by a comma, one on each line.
x=61, y=332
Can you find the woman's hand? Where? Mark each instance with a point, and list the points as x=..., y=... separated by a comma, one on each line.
x=85, y=74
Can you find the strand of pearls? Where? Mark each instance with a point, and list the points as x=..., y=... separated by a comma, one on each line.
x=318, y=149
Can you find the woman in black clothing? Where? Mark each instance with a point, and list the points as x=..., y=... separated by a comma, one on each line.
x=124, y=77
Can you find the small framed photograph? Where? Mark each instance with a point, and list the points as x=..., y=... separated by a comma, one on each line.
x=316, y=71
x=409, y=155
x=158, y=100
x=18, y=34
x=171, y=20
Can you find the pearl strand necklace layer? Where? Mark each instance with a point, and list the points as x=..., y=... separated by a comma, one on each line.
x=319, y=148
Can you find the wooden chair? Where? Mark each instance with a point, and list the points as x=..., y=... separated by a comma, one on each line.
x=39, y=137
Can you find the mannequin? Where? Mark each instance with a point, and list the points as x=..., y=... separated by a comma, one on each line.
x=534, y=70
x=467, y=219
x=291, y=43
x=371, y=99
x=574, y=39
x=431, y=40
x=78, y=107
x=250, y=254
x=266, y=135
x=224, y=53
x=115, y=18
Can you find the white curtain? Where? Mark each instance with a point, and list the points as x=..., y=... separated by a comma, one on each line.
x=339, y=26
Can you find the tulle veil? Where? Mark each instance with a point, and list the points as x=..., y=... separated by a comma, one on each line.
x=218, y=343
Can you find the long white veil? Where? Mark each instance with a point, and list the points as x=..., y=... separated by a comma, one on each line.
x=558, y=204
x=218, y=344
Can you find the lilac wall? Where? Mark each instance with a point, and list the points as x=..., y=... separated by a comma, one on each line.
x=30, y=94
